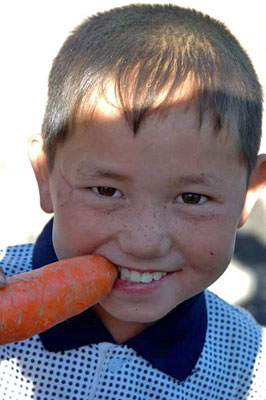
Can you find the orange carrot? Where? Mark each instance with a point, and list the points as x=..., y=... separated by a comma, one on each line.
x=36, y=300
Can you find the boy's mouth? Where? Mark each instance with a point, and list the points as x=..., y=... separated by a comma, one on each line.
x=136, y=276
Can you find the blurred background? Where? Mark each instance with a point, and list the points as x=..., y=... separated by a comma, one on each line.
x=31, y=33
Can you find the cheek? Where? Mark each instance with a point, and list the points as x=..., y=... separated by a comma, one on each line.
x=210, y=246
x=75, y=233
x=61, y=190
x=62, y=195
x=78, y=229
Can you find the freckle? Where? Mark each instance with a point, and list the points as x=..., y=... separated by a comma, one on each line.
x=211, y=253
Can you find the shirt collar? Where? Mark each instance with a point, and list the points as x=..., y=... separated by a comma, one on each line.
x=172, y=345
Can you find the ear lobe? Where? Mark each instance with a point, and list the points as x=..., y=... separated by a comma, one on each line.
x=256, y=184
x=39, y=164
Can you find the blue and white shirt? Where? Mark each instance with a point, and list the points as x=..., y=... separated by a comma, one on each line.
x=204, y=349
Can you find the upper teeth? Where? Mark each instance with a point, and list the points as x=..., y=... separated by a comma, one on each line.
x=136, y=276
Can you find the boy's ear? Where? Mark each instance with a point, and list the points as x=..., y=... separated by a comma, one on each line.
x=39, y=164
x=256, y=184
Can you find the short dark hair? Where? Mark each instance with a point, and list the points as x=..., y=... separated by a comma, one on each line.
x=145, y=49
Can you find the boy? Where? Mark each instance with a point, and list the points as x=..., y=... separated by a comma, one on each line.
x=148, y=157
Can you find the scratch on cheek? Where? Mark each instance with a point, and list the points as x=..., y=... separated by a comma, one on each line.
x=64, y=190
x=211, y=253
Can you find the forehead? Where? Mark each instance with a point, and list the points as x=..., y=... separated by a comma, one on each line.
x=167, y=139
x=108, y=101
x=107, y=110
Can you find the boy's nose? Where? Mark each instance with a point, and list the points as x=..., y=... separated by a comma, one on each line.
x=145, y=237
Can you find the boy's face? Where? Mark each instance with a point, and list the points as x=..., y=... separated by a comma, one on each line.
x=167, y=200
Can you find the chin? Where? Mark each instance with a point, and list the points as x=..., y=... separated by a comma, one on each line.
x=139, y=314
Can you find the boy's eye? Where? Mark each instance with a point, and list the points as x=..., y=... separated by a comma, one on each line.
x=192, y=198
x=106, y=191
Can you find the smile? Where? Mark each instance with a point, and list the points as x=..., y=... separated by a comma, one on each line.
x=136, y=276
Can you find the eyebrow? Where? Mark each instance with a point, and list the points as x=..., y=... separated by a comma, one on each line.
x=205, y=179
x=93, y=172
x=87, y=171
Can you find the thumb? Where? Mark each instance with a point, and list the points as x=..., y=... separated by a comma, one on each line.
x=2, y=278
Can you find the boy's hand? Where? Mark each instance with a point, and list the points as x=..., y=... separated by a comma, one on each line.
x=2, y=278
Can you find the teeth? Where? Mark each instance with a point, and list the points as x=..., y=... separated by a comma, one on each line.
x=158, y=275
x=136, y=276
x=124, y=273
x=146, y=277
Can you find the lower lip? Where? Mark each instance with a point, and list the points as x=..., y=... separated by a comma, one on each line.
x=140, y=287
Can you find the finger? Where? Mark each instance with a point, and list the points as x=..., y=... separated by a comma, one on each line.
x=2, y=278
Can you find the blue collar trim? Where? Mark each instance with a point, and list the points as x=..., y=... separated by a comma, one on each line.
x=172, y=345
